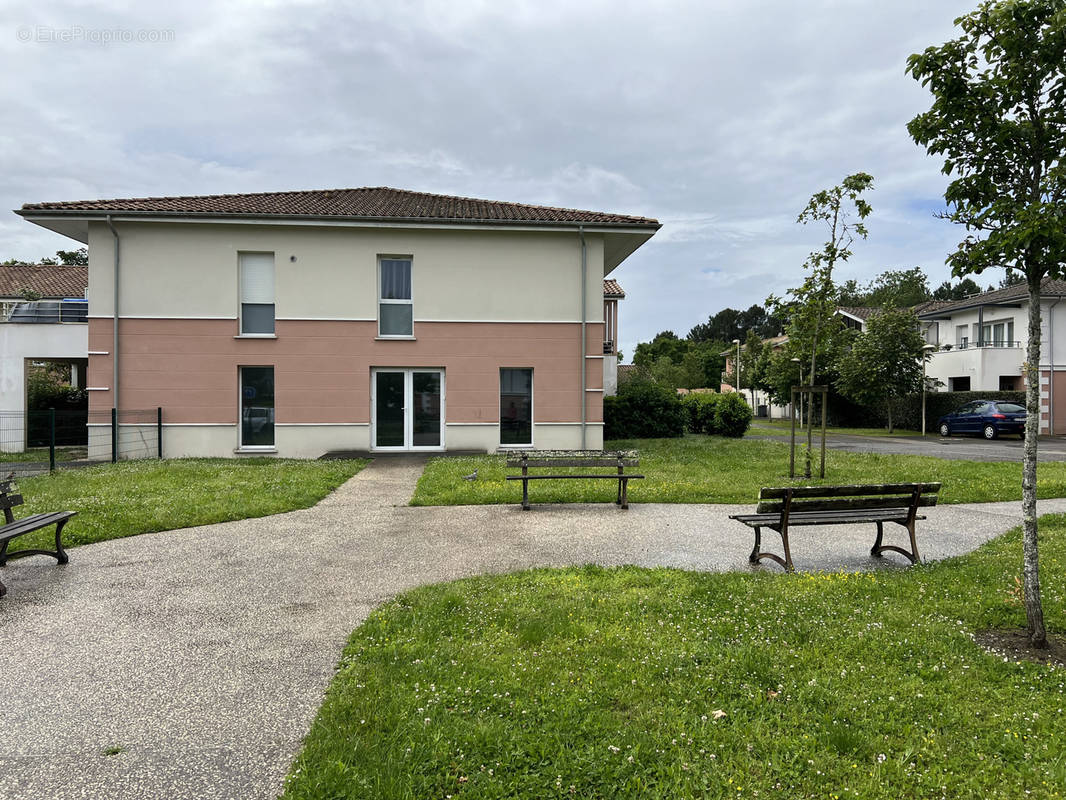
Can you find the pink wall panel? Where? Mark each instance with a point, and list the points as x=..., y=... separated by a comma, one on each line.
x=322, y=368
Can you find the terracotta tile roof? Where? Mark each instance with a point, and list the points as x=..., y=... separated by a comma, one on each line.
x=49, y=281
x=1019, y=293
x=377, y=203
x=612, y=289
x=862, y=312
x=930, y=305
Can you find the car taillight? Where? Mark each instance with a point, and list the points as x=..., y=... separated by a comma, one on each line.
x=999, y=416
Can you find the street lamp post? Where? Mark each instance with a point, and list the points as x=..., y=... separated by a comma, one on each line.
x=737, y=343
x=926, y=350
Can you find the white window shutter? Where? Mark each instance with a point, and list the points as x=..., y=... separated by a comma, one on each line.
x=257, y=277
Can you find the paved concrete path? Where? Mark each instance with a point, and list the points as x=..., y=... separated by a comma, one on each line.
x=204, y=653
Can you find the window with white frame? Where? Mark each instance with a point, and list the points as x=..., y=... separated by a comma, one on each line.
x=257, y=293
x=395, y=308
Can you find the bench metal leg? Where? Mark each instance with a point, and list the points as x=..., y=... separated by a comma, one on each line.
x=59, y=554
x=875, y=551
x=525, y=495
x=911, y=555
x=788, y=553
x=785, y=562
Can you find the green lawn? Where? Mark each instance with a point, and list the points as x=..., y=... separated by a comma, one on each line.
x=708, y=469
x=131, y=497
x=618, y=683
x=783, y=426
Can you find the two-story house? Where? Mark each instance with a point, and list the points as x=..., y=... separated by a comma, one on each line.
x=981, y=345
x=371, y=319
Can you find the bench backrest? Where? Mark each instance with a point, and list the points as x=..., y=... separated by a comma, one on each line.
x=573, y=458
x=843, y=498
x=8, y=500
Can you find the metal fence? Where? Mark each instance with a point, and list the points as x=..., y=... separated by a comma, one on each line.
x=32, y=442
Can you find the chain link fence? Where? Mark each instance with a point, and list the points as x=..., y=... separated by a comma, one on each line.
x=33, y=442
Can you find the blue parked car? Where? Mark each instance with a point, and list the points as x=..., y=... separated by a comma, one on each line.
x=989, y=418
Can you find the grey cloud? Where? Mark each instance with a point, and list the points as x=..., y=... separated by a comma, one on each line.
x=720, y=118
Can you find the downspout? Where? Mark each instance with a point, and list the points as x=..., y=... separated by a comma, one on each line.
x=1051, y=367
x=114, y=343
x=584, y=337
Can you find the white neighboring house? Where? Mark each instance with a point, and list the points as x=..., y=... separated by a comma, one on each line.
x=762, y=405
x=981, y=345
x=52, y=329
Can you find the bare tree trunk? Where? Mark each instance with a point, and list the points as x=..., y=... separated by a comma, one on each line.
x=1034, y=611
x=888, y=406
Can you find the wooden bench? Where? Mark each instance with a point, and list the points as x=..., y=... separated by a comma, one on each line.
x=15, y=528
x=782, y=508
x=533, y=459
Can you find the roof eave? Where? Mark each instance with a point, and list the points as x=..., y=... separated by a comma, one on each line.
x=59, y=213
x=948, y=313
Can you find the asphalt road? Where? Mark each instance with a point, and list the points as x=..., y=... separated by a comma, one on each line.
x=962, y=448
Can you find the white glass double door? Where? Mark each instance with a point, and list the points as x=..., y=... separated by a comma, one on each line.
x=407, y=409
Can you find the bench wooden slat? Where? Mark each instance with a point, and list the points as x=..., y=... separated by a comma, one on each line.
x=576, y=462
x=614, y=477
x=10, y=500
x=518, y=455
x=32, y=523
x=815, y=518
x=851, y=490
x=845, y=503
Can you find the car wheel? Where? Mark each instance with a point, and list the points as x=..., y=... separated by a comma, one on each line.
x=944, y=429
x=990, y=432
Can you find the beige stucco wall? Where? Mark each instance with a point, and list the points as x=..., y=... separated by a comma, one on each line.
x=190, y=270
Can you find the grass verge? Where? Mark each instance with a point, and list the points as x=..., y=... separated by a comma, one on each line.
x=131, y=497
x=710, y=469
x=618, y=683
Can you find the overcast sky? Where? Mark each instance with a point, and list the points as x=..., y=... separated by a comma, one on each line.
x=718, y=118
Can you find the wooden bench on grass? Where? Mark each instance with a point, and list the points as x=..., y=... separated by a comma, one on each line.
x=15, y=528
x=782, y=508
x=534, y=459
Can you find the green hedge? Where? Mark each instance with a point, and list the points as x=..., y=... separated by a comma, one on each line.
x=643, y=410
x=716, y=414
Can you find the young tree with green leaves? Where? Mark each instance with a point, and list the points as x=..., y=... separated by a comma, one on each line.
x=998, y=119
x=841, y=210
x=884, y=361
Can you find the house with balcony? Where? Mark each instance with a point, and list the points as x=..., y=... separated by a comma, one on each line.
x=373, y=319
x=50, y=329
x=981, y=345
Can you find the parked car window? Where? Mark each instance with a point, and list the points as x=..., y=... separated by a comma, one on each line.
x=1011, y=408
x=969, y=408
